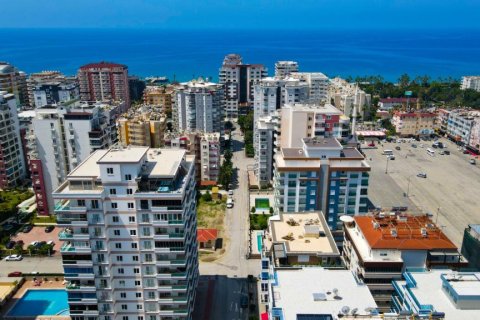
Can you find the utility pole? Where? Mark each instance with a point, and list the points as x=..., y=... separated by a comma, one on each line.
x=438, y=213
x=386, y=166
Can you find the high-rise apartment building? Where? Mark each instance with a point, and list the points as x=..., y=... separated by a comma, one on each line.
x=62, y=137
x=348, y=96
x=284, y=68
x=162, y=96
x=12, y=164
x=471, y=82
x=55, y=91
x=321, y=175
x=317, y=84
x=210, y=156
x=130, y=248
x=14, y=81
x=104, y=81
x=199, y=107
x=265, y=143
x=239, y=80
x=143, y=125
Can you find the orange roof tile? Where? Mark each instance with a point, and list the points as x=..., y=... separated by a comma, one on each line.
x=204, y=235
x=378, y=233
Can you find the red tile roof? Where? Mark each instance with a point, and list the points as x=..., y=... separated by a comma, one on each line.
x=103, y=64
x=378, y=233
x=204, y=235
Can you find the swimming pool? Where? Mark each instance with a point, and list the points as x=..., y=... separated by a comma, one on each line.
x=262, y=203
x=259, y=242
x=36, y=302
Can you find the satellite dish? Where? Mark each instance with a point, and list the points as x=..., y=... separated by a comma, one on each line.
x=345, y=309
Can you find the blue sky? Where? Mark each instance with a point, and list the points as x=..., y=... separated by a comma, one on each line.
x=243, y=14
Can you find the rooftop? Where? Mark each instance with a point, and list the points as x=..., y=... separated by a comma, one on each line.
x=318, y=108
x=320, y=291
x=320, y=142
x=303, y=232
x=123, y=155
x=402, y=232
x=204, y=235
x=426, y=287
x=103, y=64
x=89, y=167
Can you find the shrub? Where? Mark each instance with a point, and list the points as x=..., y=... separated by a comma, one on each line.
x=207, y=197
x=253, y=210
x=271, y=210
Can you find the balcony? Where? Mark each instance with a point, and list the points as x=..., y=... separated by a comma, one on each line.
x=80, y=287
x=68, y=247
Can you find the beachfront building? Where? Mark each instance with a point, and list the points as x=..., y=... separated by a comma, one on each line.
x=438, y=294
x=409, y=124
x=64, y=135
x=104, y=81
x=12, y=164
x=130, y=248
x=55, y=91
x=348, y=96
x=284, y=68
x=14, y=81
x=239, y=80
x=321, y=175
x=460, y=125
x=142, y=125
x=471, y=82
x=378, y=248
x=198, y=107
x=161, y=96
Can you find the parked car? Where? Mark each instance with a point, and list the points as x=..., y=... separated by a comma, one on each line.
x=465, y=151
x=422, y=175
x=442, y=152
x=391, y=157
x=10, y=244
x=51, y=243
x=230, y=192
x=34, y=243
x=14, y=257
x=397, y=148
x=435, y=146
x=49, y=229
x=446, y=152
x=414, y=145
x=27, y=228
x=472, y=161
x=15, y=274
x=229, y=203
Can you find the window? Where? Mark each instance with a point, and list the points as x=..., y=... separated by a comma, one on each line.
x=125, y=318
x=123, y=294
x=118, y=245
x=114, y=205
x=131, y=218
x=94, y=204
x=139, y=307
x=138, y=294
x=144, y=204
x=116, y=232
x=81, y=203
x=109, y=171
x=113, y=191
x=148, y=257
x=140, y=318
x=136, y=271
x=133, y=233
x=119, y=258
x=121, y=283
x=145, y=217
x=151, y=295
x=115, y=219
x=128, y=177
x=129, y=191
x=121, y=271
x=124, y=307
x=131, y=205
x=137, y=283
x=135, y=258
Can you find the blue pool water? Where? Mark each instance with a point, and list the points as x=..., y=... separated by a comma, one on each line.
x=41, y=302
x=259, y=242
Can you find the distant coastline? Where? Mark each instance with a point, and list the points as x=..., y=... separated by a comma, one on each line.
x=184, y=54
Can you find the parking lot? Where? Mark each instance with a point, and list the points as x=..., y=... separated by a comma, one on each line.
x=450, y=192
x=39, y=234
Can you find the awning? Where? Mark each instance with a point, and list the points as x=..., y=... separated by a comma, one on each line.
x=264, y=316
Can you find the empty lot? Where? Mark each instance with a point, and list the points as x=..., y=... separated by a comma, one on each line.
x=452, y=186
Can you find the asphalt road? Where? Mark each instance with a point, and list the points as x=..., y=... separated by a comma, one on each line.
x=51, y=264
x=450, y=192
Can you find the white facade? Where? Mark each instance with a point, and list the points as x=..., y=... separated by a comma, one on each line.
x=130, y=248
x=284, y=68
x=62, y=136
x=471, y=82
x=199, y=107
x=55, y=92
x=239, y=80
x=460, y=124
x=210, y=156
x=317, y=83
x=348, y=96
x=12, y=164
x=264, y=145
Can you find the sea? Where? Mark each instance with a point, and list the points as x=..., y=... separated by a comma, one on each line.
x=182, y=55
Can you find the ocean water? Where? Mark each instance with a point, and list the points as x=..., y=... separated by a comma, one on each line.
x=184, y=55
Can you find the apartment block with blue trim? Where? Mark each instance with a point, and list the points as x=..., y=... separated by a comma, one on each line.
x=438, y=294
x=322, y=175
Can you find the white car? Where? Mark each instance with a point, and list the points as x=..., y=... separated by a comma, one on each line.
x=230, y=192
x=51, y=243
x=14, y=257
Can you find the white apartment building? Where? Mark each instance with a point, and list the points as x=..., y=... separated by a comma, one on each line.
x=130, y=249
x=239, y=80
x=265, y=144
x=198, y=107
x=62, y=136
x=460, y=124
x=284, y=68
x=14, y=81
x=471, y=82
x=272, y=93
x=53, y=92
x=321, y=175
x=347, y=96
x=210, y=156
x=317, y=83
x=12, y=164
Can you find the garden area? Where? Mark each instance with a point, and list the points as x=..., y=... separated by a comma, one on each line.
x=259, y=221
x=10, y=199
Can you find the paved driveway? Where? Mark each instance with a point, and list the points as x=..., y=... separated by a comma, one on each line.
x=39, y=234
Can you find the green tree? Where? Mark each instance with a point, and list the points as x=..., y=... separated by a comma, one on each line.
x=207, y=196
x=404, y=80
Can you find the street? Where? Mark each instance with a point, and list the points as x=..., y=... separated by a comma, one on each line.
x=51, y=264
x=450, y=192
x=224, y=281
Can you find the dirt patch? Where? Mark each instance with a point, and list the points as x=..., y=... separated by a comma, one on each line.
x=211, y=214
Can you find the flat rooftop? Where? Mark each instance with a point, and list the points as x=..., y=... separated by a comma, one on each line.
x=123, y=155
x=164, y=163
x=428, y=290
x=308, y=232
x=321, y=142
x=89, y=166
x=402, y=232
x=334, y=290
x=326, y=108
